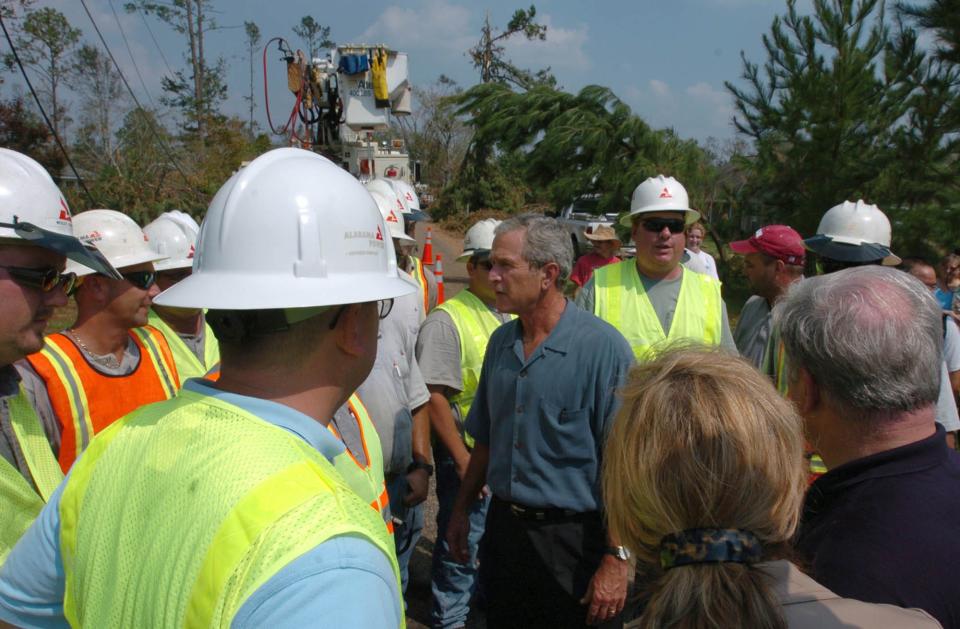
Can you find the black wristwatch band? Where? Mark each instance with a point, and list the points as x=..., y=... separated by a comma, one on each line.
x=420, y=465
x=619, y=552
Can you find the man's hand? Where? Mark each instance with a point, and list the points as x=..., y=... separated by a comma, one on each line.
x=607, y=592
x=418, y=482
x=457, y=532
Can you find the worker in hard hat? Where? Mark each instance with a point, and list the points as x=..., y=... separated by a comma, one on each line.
x=450, y=349
x=385, y=426
x=109, y=362
x=653, y=299
x=36, y=236
x=222, y=507
x=194, y=347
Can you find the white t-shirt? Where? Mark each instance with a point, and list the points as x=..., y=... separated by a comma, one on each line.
x=702, y=262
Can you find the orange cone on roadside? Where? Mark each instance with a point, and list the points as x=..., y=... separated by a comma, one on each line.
x=428, y=248
x=438, y=273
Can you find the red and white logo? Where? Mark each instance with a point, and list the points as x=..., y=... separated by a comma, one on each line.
x=409, y=197
x=64, y=212
x=190, y=254
x=391, y=172
x=379, y=233
x=665, y=194
x=392, y=218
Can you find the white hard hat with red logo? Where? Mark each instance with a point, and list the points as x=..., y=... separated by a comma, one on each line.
x=291, y=229
x=391, y=216
x=32, y=209
x=660, y=194
x=411, y=202
x=174, y=235
x=116, y=235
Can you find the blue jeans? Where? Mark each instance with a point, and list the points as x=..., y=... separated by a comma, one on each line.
x=453, y=583
x=407, y=525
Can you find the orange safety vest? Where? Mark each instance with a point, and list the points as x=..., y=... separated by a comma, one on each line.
x=86, y=401
x=421, y=277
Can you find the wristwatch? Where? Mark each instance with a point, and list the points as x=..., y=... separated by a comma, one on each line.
x=420, y=465
x=619, y=552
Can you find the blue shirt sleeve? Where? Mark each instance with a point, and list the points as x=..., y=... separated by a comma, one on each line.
x=343, y=583
x=32, y=578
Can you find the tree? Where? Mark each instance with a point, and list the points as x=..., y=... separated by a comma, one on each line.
x=314, y=34
x=942, y=17
x=198, y=92
x=252, y=32
x=23, y=131
x=488, y=54
x=102, y=97
x=45, y=44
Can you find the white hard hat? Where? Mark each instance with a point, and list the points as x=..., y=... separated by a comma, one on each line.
x=660, y=194
x=854, y=232
x=391, y=216
x=478, y=239
x=116, y=235
x=32, y=209
x=173, y=235
x=411, y=202
x=383, y=187
x=290, y=230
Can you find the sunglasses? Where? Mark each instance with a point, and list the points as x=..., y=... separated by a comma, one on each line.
x=384, y=307
x=141, y=279
x=656, y=225
x=43, y=279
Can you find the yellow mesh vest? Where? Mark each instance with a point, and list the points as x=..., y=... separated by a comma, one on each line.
x=188, y=365
x=177, y=513
x=21, y=501
x=475, y=323
x=619, y=298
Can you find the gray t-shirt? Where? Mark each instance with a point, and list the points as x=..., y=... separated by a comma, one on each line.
x=753, y=329
x=663, y=296
x=36, y=389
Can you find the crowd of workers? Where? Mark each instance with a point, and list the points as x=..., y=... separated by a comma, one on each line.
x=240, y=427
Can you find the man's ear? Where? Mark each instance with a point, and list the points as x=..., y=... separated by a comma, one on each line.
x=349, y=330
x=551, y=272
x=804, y=391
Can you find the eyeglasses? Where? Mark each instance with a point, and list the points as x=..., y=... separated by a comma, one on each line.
x=43, y=279
x=384, y=307
x=656, y=225
x=141, y=279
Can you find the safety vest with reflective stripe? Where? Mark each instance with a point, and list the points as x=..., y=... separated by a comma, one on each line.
x=86, y=401
x=475, y=323
x=421, y=277
x=21, y=499
x=620, y=299
x=367, y=480
x=188, y=365
x=180, y=511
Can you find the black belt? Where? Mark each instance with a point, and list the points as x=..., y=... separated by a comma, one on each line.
x=544, y=514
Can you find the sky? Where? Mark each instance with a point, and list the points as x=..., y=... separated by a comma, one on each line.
x=667, y=59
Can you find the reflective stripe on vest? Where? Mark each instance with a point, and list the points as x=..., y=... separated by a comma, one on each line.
x=620, y=299
x=86, y=401
x=475, y=323
x=188, y=365
x=21, y=501
x=367, y=480
x=421, y=278
x=179, y=512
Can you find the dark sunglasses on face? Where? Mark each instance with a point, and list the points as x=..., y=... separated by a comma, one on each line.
x=141, y=279
x=656, y=225
x=43, y=279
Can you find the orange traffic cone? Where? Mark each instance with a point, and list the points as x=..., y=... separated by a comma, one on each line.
x=428, y=248
x=438, y=273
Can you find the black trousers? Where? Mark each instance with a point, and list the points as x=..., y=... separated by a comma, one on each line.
x=534, y=572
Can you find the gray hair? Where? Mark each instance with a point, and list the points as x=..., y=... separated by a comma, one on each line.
x=870, y=336
x=546, y=240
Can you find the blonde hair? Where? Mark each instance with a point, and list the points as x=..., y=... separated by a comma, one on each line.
x=697, y=225
x=704, y=440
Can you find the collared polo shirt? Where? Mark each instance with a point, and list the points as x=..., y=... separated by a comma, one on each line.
x=545, y=418
x=883, y=529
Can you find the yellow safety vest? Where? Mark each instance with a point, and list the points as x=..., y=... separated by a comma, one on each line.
x=620, y=299
x=367, y=480
x=188, y=365
x=180, y=511
x=475, y=323
x=21, y=500
x=423, y=286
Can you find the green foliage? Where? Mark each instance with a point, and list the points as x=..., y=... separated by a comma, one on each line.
x=488, y=55
x=314, y=34
x=21, y=130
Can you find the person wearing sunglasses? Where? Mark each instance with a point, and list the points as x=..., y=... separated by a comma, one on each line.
x=223, y=506
x=36, y=236
x=192, y=343
x=108, y=362
x=653, y=299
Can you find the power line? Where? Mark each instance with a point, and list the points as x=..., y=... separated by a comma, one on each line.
x=146, y=23
x=136, y=68
x=158, y=135
x=43, y=113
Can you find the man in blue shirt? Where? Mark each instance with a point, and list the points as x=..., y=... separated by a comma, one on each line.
x=543, y=407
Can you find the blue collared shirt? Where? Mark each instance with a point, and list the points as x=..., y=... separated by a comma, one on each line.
x=545, y=418
x=343, y=582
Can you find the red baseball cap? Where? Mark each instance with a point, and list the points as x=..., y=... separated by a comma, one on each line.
x=777, y=241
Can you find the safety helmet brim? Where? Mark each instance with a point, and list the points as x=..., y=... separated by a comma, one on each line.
x=250, y=291
x=690, y=217
x=73, y=248
x=827, y=247
x=469, y=253
x=119, y=262
x=416, y=215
